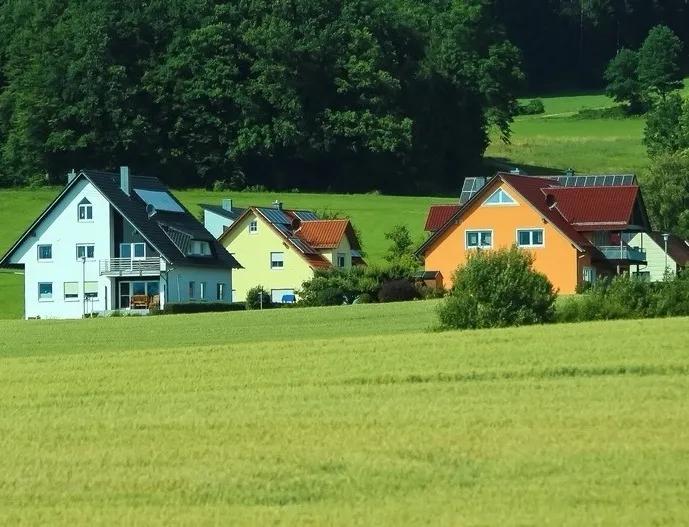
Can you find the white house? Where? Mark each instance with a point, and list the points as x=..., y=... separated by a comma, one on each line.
x=117, y=241
x=653, y=243
x=217, y=219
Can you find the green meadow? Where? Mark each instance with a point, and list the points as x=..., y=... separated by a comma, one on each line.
x=353, y=415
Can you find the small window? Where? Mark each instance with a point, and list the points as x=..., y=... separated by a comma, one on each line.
x=220, y=291
x=530, y=237
x=192, y=289
x=91, y=290
x=45, y=252
x=253, y=227
x=85, y=211
x=340, y=260
x=139, y=250
x=479, y=239
x=500, y=197
x=202, y=290
x=199, y=248
x=71, y=291
x=277, y=260
x=589, y=274
x=45, y=291
x=85, y=250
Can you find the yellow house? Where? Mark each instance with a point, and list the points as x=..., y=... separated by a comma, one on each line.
x=280, y=249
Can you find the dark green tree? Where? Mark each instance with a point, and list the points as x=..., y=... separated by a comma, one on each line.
x=623, y=80
x=667, y=126
x=666, y=191
x=659, y=62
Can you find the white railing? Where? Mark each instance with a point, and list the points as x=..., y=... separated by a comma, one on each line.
x=130, y=266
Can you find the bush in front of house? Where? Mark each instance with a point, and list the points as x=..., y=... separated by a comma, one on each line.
x=198, y=307
x=400, y=290
x=497, y=289
x=254, y=301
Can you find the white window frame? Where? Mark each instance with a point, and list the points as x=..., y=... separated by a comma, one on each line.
x=220, y=290
x=471, y=247
x=86, y=250
x=343, y=256
x=530, y=230
x=38, y=253
x=52, y=292
x=132, y=250
x=272, y=262
x=201, y=245
x=75, y=297
x=93, y=295
x=202, y=290
x=592, y=275
x=253, y=227
x=500, y=204
x=86, y=207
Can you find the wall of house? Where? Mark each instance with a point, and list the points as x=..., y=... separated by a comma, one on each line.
x=655, y=257
x=252, y=251
x=215, y=223
x=61, y=229
x=557, y=259
x=344, y=248
x=175, y=284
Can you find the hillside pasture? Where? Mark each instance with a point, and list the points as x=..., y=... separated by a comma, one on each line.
x=341, y=416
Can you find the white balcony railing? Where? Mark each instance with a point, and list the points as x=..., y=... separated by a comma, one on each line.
x=130, y=267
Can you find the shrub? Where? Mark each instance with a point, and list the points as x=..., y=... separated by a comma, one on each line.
x=257, y=298
x=363, y=298
x=533, y=107
x=255, y=188
x=200, y=307
x=220, y=185
x=497, y=289
x=397, y=291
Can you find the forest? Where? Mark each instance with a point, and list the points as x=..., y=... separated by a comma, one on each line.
x=336, y=95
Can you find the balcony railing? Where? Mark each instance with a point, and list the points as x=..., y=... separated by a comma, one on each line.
x=130, y=267
x=623, y=253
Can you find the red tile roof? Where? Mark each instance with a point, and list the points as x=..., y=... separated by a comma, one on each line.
x=439, y=215
x=595, y=208
x=323, y=234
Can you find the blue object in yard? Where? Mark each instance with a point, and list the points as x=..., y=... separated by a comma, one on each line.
x=289, y=299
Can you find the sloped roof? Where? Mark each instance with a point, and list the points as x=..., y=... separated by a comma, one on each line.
x=438, y=215
x=677, y=248
x=233, y=214
x=594, y=208
x=157, y=229
x=327, y=234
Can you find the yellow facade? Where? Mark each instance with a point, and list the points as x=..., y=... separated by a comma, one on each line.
x=558, y=258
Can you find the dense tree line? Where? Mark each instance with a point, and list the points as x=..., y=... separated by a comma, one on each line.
x=328, y=94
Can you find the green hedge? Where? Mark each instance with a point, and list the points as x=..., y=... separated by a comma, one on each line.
x=200, y=307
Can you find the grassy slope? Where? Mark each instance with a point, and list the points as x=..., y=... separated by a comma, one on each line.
x=342, y=416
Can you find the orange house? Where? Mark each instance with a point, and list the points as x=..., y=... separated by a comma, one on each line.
x=576, y=229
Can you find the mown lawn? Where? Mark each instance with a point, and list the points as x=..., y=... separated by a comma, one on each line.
x=351, y=415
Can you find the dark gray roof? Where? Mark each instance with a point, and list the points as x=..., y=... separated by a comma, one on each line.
x=168, y=232
x=233, y=214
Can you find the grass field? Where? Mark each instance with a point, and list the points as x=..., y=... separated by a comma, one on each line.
x=351, y=415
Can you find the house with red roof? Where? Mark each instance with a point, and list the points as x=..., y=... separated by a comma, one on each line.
x=282, y=248
x=577, y=227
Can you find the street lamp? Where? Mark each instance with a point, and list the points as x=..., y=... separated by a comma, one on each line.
x=665, y=238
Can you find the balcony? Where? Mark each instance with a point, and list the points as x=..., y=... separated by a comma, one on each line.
x=623, y=253
x=130, y=267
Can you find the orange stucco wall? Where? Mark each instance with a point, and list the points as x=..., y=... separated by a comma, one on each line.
x=558, y=259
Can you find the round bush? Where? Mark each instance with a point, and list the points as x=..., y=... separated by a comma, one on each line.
x=497, y=289
x=397, y=291
x=253, y=298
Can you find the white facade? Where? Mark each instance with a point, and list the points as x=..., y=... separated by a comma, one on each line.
x=59, y=283
x=655, y=257
x=215, y=223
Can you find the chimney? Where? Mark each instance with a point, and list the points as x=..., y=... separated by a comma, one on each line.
x=125, y=184
x=70, y=176
x=277, y=204
x=227, y=204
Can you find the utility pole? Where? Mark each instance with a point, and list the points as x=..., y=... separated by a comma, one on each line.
x=665, y=238
x=83, y=285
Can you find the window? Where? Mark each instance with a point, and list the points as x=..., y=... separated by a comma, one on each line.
x=477, y=239
x=220, y=291
x=253, y=227
x=71, y=291
x=282, y=296
x=500, y=197
x=91, y=290
x=133, y=250
x=192, y=289
x=45, y=252
x=277, y=260
x=340, y=259
x=85, y=210
x=203, y=290
x=199, y=248
x=589, y=274
x=45, y=291
x=85, y=250
x=530, y=237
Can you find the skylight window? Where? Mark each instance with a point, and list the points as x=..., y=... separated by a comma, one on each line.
x=199, y=248
x=500, y=197
x=161, y=200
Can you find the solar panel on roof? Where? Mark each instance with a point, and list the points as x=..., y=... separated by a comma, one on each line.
x=159, y=199
x=470, y=187
x=302, y=246
x=305, y=215
x=275, y=216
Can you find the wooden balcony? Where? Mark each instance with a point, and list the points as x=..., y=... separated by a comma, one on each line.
x=130, y=267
